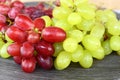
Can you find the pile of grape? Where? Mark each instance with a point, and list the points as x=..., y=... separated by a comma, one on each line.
x=91, y=33
x=73, y=31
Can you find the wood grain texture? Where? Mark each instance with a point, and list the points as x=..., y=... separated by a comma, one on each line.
x=107, y=69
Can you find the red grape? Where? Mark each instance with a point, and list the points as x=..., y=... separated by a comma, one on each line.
x=28, y=65
x=49, y=12
x=53, y=34
x=2, y=18
x=24, y=23
x=17, y=59
x=27, y=50
x=29, y=10
x=16, y=34
x=2, y=25
x=33, y=37
x=14, y=49
x=4, y=9
x=14, y=11
x=40, y=6
x=36, y=14
x=44, y=48
x=45, y=62
x=17, y=4
x=39, y=24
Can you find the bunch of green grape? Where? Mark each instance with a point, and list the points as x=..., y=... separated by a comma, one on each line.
x=91, y=33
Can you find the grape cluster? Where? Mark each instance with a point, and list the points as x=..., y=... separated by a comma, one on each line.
x=91, y=33
x=25, y=37
x=72, y=31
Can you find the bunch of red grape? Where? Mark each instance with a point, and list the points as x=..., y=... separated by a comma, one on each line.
x=25, y=37
x=33, y=42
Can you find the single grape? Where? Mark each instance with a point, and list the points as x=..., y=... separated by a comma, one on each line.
x=4, y=9
x=18, y=4
x=77, y=55
x=48, y=21
x=62, y=61
x=2, y=18
x=39, y=24
x=3, y=51
x=16, y=34
x=98, y=53
x=33, y=37
x=115, y=43
x=44, y=48
x=86, y=12
x=24, y=22
x=28, y=65
x=17, y=59
x=106, y=47
x=77, y=34
x=91, y=43
x=58, y=48
x=98, y=31
x=63, y=24
x=53, y=34
x=86, y=25
x=86, y=61
x=61, y=12
x=70, y=44
x=74, y=18
x=45, y=62
x=113, y=27
x=27, y=50
x=13, y=12
x=14, y=49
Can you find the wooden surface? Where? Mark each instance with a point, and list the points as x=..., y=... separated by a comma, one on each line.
x=107, y=69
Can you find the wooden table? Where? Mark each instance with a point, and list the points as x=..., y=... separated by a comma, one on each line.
x=107, y=69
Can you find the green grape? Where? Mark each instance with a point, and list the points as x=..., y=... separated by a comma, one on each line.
x=114, y=27
x=58, y=48
x=74, y=18
x=98, y=31
x=105, y=15
x=87, y=60
x=63, y=24
x=48, y=21
x=61, y=12
x=115, y=43
x=86, y=25
x=1, y=43
x=91, y=43
x=106, y=47
x=77, y=34
x=98, y=53
x=100, y=16
x=70, y=44
x=62, y=61
x=8, y=39
x=86, y=12
x=80, y=2
x=3, y=51
x=66, y=3
x=110, y=14
x=77, y=55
